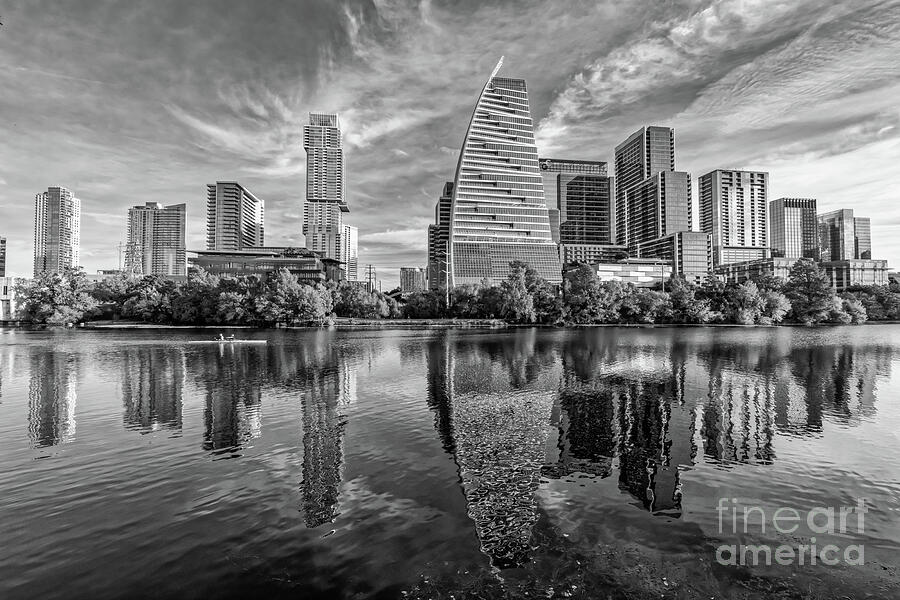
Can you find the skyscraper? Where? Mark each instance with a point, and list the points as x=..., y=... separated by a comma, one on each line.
x=843, y=236
x=645, y=153
x=57, y=230
x=2, y=257
x=156, y=239
x=438, y=239
x=234, y=217
x=498, y=214
x=580, y=191
x=733, y=211
x=350, y=252
x=793, y=229
x=323, y=220
x=658, y=206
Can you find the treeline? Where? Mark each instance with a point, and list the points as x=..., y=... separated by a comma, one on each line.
x=204, y=299
x=805, y=297
x=524, y=297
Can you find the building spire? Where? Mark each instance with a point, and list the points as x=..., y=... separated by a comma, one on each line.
x=496, y=69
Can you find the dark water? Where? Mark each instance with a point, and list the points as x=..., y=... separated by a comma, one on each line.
x=529, y=463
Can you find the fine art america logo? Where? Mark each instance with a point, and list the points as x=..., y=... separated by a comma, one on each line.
x=744, y=518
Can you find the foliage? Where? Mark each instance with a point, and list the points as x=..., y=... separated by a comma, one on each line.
x=56, y=298
x=808, y=289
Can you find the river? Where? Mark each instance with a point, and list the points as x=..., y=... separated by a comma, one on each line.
x=605, y=462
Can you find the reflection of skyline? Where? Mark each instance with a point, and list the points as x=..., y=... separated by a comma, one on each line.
x=646, y=408
x=152, y=388
x=51, y=398
x=232, y=378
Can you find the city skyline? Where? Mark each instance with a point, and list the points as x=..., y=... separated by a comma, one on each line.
x=403, y=117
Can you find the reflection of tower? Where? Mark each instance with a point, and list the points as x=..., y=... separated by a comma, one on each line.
x=152, y=389
x=329, y=391
x=492, y=412
x=233, y=394
x=588, y=432
x=51, y=399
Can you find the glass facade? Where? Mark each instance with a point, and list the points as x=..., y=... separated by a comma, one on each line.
x=645, y=153
x=659, y=206
x=582, y=193
x=793, y=229
x=498, y=213
x=438, y=238
x=842, y=236
x=235, y=218
x=57, y=230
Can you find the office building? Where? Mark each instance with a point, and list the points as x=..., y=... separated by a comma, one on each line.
x=846, y=273
x=591, y=253
x=308, y=266
x=412, y=279
x=733, y=211
x=498, y=213
x=843, y=236
x=793, y=229
x=739, y=272
x=234, y=217
x=438, y=240
x=645, y=153
x=642, y=272
x=2, y=257
x=658, y=206
x=57, y=230
x=326, y=201
x=553, y=215
x=580, y=191
x=155, y=237
x=690, y=253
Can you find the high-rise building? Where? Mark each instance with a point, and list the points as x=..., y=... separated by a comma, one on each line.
x=57, y=230
x=793, y=229
x=579, y=200
x=842, y=236
x=323, y=219
x=349, y=245
x=498, y=212
x=412, y=279
x=733, y=211
x=2, y=257
x=658, y=206
x=156, y=240
x=234, y=217
x=645, y=153
x=438, y=240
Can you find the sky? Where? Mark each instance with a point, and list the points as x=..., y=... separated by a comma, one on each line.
x=133, y=102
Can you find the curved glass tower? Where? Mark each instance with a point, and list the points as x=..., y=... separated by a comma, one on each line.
x=498, y=212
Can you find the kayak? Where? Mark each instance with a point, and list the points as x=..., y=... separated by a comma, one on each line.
x=228, y=342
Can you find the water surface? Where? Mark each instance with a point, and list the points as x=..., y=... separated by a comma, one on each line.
x=348, y=464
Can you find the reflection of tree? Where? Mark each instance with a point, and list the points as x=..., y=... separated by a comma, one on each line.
x=51, y=398
x=152, y=388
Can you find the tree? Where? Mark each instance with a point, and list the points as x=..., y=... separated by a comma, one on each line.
x=424, y=305
x=775, y=306
x=646, y=306
x=464, y=301
x=854, y=309
x=582, y=295
x=808, y=289
x=518, y=303
x=56, y=298
x=715, y=292
x=745, y=305
x=686, y=306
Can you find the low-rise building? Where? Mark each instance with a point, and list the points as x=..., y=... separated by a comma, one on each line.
x=308, y=266
x=642, y=272
x=7, y=298
x=690, y=253
x=739, y=272
x=412, y=279
x=591, y=253
x=847, y=273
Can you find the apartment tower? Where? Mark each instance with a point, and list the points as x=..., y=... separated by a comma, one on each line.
x=234, y=217
x=438, y=240
x=733, y=210
x=2, y=257
x=498, y=213
x=156, y=240
x=645, y=153
x=57, y=230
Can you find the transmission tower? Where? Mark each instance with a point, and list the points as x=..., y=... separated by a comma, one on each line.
x=370, y=278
